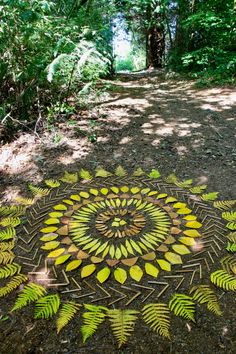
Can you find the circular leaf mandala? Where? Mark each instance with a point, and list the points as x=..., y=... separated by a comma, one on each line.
x=118, y=247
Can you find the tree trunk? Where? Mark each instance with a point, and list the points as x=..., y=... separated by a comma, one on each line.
x=155, y=47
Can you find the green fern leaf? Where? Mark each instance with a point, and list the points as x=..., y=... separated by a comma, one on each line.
x=84, y=174
x=229, y=215
x=154, y=174
x=223, y=280
x=52, y=183
x=9, y=270
x=224, y=204
x=13, y=210
x=7, y=233
x=122, y=323
x=47, y=306
x=92, y=319
x=6, y=257
x=100, y=172
x=69, y=177
x=24, y=201
x=183, y=306
x=198, y=189
x=38, y=192
x=231, y=225
x=171, y=178
x=231, y=247
x=184, y=184
x=10, y=221
x=229, y=264
x=120, y=171
x=210, y=196
x=16, y=281
x=232, y=237
x=66, y=313
x=158, y=317
x=28, y=294
x=6, y=246
x=204, y=294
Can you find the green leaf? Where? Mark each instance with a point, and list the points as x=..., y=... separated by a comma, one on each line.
x=183, y=306
x=47, y=306
x=66, y=314
x=158, y=317
x=13, y=284
x=93, y=317
x=7, y=233
x=30, y=293
x=204, y=294
x=9, y=270
x=223, y=280
x=154, y=174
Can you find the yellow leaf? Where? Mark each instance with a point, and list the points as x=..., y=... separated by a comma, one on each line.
x=188, y=241
x=73, y=265
x=124, y=189
x=179, y=205
x=52, y=221
x=136, y=246
x=183, y=211
x=105, y=252
x=50, y=245
x=104, y=191
x=87, y=270
x=181, y=249
x=145, y=190
x=190, y=217
x=75, y=197
x=84, y=174
x=52, y=183
x=60, y=207
x=170, y=200
x=115, y=190
x=150, y=194
x=49, y=237
x=120, y=172
x=192, y=233
x=136, y=272
x=129, y=248
x=93, y=191
x=173, y=258
x=118, y=254
x=96, y=259
x=48, y=229
x=124, y=251
x=135, y=190
x=120, y=275
x=56, y=214
x=103, y=274
x=138, y=172
x=56, y=253
x=62, y=259
x=69, y=177
x=68, y=201
x=193, y=224
x=100, y=172
x=162, y=195
x=151, y=270
x=164, y=265
x=84, y=194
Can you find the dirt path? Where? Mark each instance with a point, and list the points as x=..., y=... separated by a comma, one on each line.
x=145, y=122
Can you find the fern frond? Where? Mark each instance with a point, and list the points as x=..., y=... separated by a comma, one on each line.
x=10, y=221
x=66, y=313
x=184, y=184
x=229, y=215
x=183, y=306
x=154, y=174
x=92, y=319
x=198, y=189
x=47, y=306
x=204, y=294
x=120, y=171
x=210, y=196
x=7, y=233
x=28, y=294
x=6, y=246
x=6, y=257
x=223, y=280
x=9, y=270
x=158, y=317
x=231, y=247
x=84, y=174
x=52, y=183
x=100, y=172
x=171, y=178
x=232, y=237
x=12, y=210
x=229, y=264
x=24, y=201
x=122, y=323
x=38, y=191
x=69, y=177
x=16, y=281
x=231, y=225
x=224, y=204
x=139, y=172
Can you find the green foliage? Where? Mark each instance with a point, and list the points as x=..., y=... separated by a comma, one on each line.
x=7, y=233
x=224, y=280
x=66, y=313
x=13, y=284
x=47, y=306
x=204, y=294
x=9, y=270
x=183, y=306
x=6, y=257
x=92, y=319
x=30, y=293
x=231, y=247
x=122, y=323
x=158, y=317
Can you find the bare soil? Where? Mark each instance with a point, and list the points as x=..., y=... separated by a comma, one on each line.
x=145, y=121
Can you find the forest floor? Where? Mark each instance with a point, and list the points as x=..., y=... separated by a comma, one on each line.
x=150, y=122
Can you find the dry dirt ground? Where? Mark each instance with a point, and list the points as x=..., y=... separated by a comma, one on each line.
x=146, y=122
